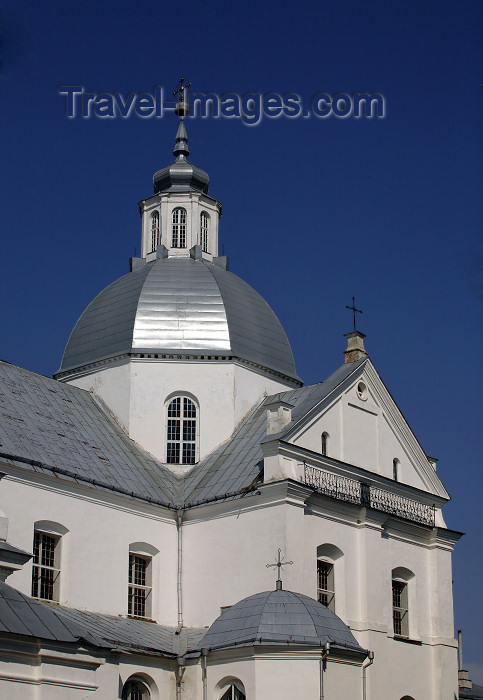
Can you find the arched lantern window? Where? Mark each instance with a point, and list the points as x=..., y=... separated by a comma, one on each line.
x=155, y=237
x=179, y=228
x=204, y=230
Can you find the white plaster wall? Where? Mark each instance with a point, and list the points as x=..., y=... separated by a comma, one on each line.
x=58, y=675
x=361, y=434
x=112, y=385
x=224, y=560
x=343, y=681
x=328, y=421
x=95, y=552
x=288, y=677
x=136, y=392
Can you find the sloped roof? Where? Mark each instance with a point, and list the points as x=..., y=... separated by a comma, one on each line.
x=474, y=693
x=25, y=616
x=47, y=426
x=44, y=423
x=278, y=617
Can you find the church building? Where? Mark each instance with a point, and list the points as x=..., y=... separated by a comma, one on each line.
x=182, y=519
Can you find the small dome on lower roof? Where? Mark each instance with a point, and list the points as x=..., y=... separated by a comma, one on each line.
x=184, y=307
x=279, y=617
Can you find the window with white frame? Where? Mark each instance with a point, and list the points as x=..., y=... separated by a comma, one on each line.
x=140, y=586
x=179, y=228
x=155, y=237
x=325, y=444
x=400, y=615
x=46, y=566
x=325, y=584
x=135, y=689
x=204, y=229
x=234, y=692
x=181, y=431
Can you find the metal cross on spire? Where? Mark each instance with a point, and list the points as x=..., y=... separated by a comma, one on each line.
x=280, y=563
x=182, y=108
x=181, y=89
x=353, y=309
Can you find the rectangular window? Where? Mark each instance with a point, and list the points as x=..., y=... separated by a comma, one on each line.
x=400, y=608
x=45, y=570
x=139, y=592
x=325, y=584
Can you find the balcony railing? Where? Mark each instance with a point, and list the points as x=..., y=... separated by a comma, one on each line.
x=353, y=491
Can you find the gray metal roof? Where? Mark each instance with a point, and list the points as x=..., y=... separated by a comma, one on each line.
x=45, y=422
x=25, y=616
x=181, y=176
x=278, y=617
x=52, y=427
x=178, y=306
x=474, y=693
x=22, y=615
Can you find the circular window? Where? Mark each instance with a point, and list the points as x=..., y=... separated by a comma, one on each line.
x=362, y=391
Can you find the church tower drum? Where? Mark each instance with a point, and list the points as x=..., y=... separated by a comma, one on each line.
x=179, y=327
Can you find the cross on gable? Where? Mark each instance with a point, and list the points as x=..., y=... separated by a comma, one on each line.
x=353, y=309
x=280, y=563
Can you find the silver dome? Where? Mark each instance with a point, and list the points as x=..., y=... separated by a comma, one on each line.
x=278, y=617
x=183, y=307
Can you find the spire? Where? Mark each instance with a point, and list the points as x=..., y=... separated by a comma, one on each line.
x=181, y=176
x=181, y=147
x=182, y=109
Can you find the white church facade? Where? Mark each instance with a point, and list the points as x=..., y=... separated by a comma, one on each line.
x=147, y=489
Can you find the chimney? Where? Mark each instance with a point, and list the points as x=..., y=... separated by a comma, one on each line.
x=355, y=347
x=279, y=415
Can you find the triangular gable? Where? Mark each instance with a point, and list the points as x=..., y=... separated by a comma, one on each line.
x=363, y=426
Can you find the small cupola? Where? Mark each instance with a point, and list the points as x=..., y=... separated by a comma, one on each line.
x=180, y=215
x=181, y=176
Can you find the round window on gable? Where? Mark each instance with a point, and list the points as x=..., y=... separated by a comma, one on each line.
x=362, y=391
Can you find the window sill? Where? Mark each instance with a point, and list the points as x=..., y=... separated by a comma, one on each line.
x=407, y=640
x=138, y=617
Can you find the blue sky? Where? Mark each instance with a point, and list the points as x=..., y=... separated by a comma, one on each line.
x=314, y=210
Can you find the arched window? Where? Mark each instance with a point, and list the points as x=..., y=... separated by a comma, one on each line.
x=181, y=431
x=327, y=556
x=204, y=228
x=140, y=579
x=179, y=228
x=395, y=469
x=325, y=444
x=155, y=237
x=135, y=689
x=235, y=691
x=325, y=584
x=401, y=580
x=46, y=559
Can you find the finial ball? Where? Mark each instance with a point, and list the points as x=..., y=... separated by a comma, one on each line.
x=182, y=109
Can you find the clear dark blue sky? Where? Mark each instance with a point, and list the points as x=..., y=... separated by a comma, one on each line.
x=315, y=210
